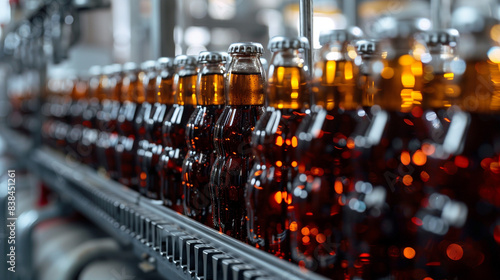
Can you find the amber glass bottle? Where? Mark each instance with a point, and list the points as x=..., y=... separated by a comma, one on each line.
x=115, y=80
x=325, y=141
x=268, y=193
x=388, y=186
x=244, y=106
x=144, y=139
x=79, y=101
x=132, y=96
x=103, y=116
x=199, y=136
x=90, y=134
x=458, y=221
x=174, y=131
x=164, y=98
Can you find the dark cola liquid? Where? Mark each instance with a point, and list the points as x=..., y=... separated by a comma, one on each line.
x=419, y=210
x=464, y=202
x=268, y=191
x=382, y=204
x=219, y=161
x=233, y=133
x=198, y=163
x=269, y=194
x=127, y=145
x=325, y=145
x=236, y=131
x=170, y=161
x=149, y=152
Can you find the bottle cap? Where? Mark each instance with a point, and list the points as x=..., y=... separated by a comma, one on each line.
x=148, y=66
x=164, y=63
x=366, y=47
x=129, y=67
x=340, y=35
x=441, y=37
x=246, y=48
x=213, y=57
x=183, y=60
x=95, y=70
x=279, y=43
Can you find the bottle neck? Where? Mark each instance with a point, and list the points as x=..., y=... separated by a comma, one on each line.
x=288, y=81
x=335, y=78
x=185, y=86
x=132, y=89
x=116, y=84
x=149, y=82
x=211, y=85
x=246, y=81
x=165, y=82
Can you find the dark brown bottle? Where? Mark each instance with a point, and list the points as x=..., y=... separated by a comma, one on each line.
x=103, y=117
x=324, y=147
x=244, y=106
x=268, y=193
x=464, y=183
x=199, y=136
x=143, y=166
x=126, y=148
x=79, y=101
x=115, y=80
x=164, y=101
x=174, y=131
x=387, y=186
x=90, y=134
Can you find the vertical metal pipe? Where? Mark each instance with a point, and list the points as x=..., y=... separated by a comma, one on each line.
x=440, y=14
x=306, y=17
x=349, y=9
x=162, y=28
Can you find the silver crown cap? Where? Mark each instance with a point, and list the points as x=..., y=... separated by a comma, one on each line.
x=95, y=70
x=214, y=57
x=246, y=48
x=149, y=65
x=279, y=43
x=366, y=46
x=130, y=66
x=164, y=63
x=340, y=35
x=183, y=60
x=441, y=37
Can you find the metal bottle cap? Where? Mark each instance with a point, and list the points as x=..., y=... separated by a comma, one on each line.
x=279, y=43
x=213, y=57
x=340, y=35
x=246, y=48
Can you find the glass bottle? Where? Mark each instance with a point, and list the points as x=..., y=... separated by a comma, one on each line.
x=325, y=142
x=115, y=84
x=164, y=101
x=132, y=96
x=90, y=134
x=199, y=136
x=174, y=131
x=141, y=122
x=268, y=189
x=244, y=106
x=463, y=194
x=387, y=186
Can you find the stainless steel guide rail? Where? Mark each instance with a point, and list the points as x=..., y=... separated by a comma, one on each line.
x=179, y=247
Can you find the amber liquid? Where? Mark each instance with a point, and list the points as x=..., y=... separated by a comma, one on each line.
x=268, y=191
x=175, y=148
x=198, y=163
x=238, y=120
